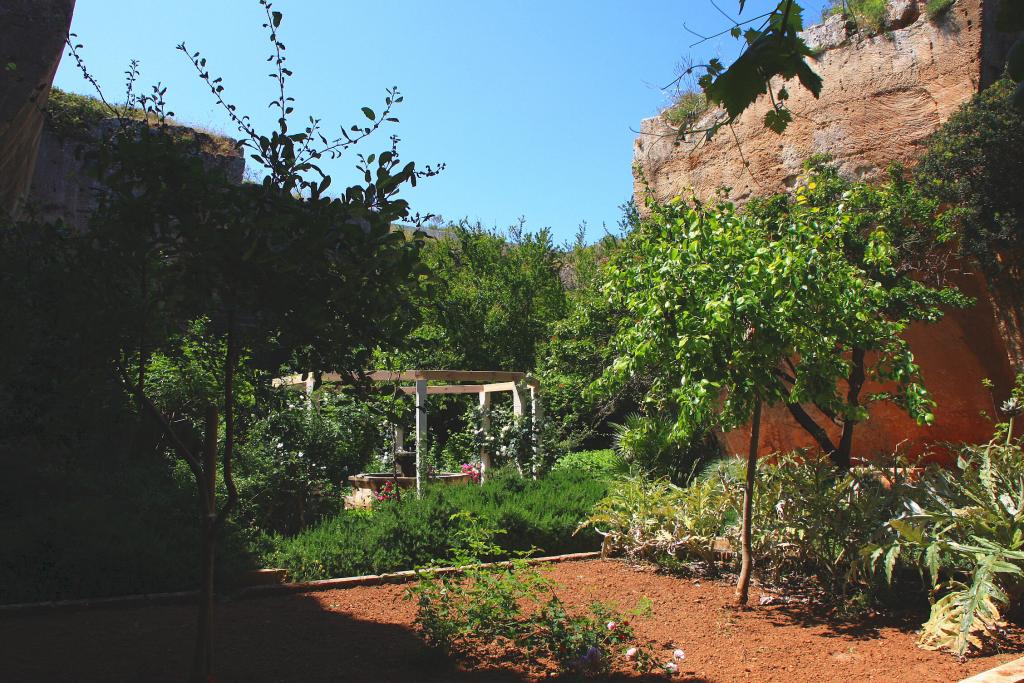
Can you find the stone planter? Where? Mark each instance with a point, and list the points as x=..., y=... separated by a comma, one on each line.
x=365, y=485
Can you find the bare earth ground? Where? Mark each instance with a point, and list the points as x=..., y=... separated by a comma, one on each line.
x=365, y=634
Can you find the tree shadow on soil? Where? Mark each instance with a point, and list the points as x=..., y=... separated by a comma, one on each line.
x=866, y=627
x=284, y=638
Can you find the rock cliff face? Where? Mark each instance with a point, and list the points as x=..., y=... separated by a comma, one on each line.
x=62, y=187
x=883, y=96
x=32, y=38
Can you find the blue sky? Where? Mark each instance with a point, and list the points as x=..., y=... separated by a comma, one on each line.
x=529, y=103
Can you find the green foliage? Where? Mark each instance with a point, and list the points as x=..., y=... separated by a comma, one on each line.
x=412, y=532
x=189, y=375
x=659, y=521
x=483, y=603
x=866, y=15
x=74, y=116
x=965, y=530
x=936, y=8
x=297, y=458
x=773, y=49
x=494, y=295
x=77, y=117
x=686, y=109
x=514, y=605
x=100, y=523
x=973, y=165
x=648, y=443
x=56, y=386
x=778, y=303
x=810, y=522
x=604, y=463
x=576, y=353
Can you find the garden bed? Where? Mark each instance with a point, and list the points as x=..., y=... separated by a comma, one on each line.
x=366, y=634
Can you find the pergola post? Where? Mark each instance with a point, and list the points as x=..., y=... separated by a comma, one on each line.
x=537, y=408
x=421, y=429
x=485, y=429
x=518, y=409
x=517, y=400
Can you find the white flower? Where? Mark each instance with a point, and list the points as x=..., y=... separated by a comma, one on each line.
x=631, y=653
x=671, y=667
x=611, y=625
x=679, y=655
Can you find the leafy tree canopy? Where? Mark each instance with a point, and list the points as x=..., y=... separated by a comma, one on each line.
x=781, y=302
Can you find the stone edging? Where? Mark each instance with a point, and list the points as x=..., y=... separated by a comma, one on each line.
x=1011, y=672
x=259, y=591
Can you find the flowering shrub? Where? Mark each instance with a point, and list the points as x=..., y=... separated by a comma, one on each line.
x=472, y=470
x=587, y=644
x=387, y=491
x=515, y=605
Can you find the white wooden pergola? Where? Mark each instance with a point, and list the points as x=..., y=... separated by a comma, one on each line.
x=525, y=391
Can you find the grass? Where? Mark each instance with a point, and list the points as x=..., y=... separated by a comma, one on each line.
x=686, y=109
x=869, y=15
x=936, y=8
x=71, y=115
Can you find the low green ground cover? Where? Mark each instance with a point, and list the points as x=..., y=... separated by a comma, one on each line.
x=411, y=532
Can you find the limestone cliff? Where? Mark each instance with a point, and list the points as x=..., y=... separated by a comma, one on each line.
x=883, y=96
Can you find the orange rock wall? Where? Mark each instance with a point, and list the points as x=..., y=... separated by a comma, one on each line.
x=955, y=355
x=882, y=97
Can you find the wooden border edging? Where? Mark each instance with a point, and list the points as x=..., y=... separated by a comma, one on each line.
x=260, y=591
x=1011, y=672
x=393, y=577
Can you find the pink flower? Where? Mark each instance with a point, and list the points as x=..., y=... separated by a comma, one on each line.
x=671, y=667
x=611, y=625
x=679, y=655
x=631, y=653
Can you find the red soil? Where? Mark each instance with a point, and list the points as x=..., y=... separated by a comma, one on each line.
x=365, y=634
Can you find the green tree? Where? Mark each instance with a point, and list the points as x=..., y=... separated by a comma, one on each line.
x=895, y=235
x=282, y=271
x=718, y=303
x=493, y=297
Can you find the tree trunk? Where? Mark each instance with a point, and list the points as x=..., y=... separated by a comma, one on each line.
x=743, y=584
x=841, y=456
x=203, y=663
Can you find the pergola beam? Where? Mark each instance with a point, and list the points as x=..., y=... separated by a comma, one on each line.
x=478, y=376
x=446, y=389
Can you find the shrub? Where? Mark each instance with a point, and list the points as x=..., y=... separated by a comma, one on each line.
x=866, y=14
x=651, y=444
x=964, y=528
x=515, y=606
x=297, y=458
x=659, y=521
x=112, y=525
x=810, y=522
x=411, y=531
x=936, y=8
x=603, y=463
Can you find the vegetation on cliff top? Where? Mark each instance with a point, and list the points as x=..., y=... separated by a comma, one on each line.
x=72, y=116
